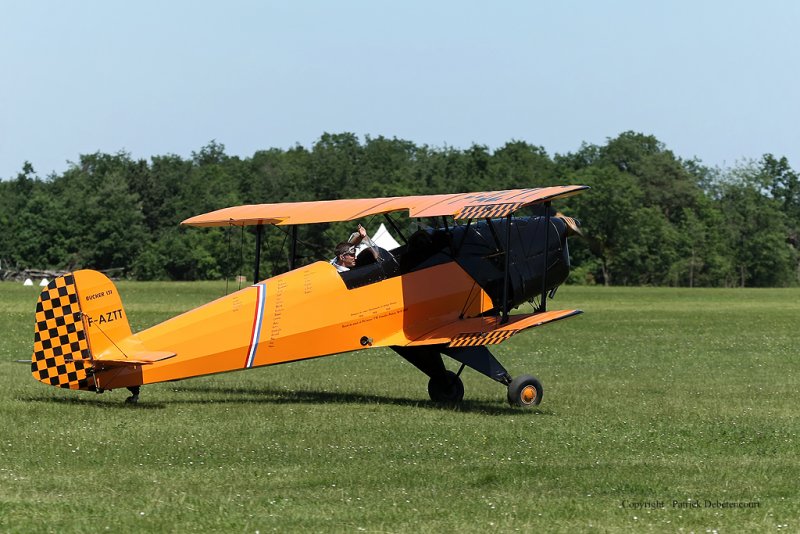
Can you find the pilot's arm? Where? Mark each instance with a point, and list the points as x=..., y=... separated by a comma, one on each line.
x=360, y=236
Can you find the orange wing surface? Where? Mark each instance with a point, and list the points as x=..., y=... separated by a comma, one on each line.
x=458, y=205
x=488, y=330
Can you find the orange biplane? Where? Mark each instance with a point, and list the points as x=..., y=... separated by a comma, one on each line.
x=446, y=290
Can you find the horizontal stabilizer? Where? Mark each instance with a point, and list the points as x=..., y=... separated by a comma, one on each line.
x=488, y=330
x=136, y=358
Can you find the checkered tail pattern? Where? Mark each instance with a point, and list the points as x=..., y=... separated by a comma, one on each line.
x=61, y=355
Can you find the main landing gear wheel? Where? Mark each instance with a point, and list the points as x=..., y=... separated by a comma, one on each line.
x=446, y=389
x=525, y=391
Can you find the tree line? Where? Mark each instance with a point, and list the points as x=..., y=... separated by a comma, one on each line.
x=651, y=218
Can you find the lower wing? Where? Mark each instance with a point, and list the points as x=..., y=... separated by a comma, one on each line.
x=488, y=330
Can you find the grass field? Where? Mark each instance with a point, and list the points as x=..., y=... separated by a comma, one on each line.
x=664, y=410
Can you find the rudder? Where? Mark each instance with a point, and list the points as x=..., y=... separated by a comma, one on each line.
x=78, y=315
x=61, y=355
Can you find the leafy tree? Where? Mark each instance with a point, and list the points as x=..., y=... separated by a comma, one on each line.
x=159, y=189
x=14, y=195
x=518, y=165
x=704, y=257
x=608, y=215
x=103, y=222
x=650, y=217
x=649, y=250
x=39, y=242
x=114, y=229
x=784, y=187
x=757, y=230
x=180, y=254
x=333, y=167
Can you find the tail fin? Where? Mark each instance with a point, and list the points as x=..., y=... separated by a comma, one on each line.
x=78, y=315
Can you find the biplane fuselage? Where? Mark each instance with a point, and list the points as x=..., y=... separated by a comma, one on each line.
x=305, y=313
x=449, y=288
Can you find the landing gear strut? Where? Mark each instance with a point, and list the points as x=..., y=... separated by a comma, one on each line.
x=446, y=386
x=134, y=398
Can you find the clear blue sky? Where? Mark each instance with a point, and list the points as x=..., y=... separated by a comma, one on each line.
x=715, y=79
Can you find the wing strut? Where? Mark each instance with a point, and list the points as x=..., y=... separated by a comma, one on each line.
x=505, y=269
x=256, y=268
x=463, y=238
x=396, y=229
x=543, y=303
x=293, y=257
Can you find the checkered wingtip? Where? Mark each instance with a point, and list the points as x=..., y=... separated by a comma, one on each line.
x=475, y=339
x=488, y=211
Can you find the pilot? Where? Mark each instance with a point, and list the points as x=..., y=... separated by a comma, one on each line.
x=345, y=256
x=346, y=251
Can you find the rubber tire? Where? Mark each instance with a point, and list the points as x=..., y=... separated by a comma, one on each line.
x=517, y=394
x=448, y=389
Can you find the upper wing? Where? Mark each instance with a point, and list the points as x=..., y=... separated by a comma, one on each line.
x=459, y=205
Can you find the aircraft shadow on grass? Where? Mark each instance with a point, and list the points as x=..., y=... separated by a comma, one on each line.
x=269, y=396
x=283, y=396
x=93, y=402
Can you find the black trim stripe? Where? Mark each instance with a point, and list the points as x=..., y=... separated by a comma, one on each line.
x=488, y=211
x=475, y=339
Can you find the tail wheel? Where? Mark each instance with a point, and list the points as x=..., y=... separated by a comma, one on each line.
x=525, y=391
x=446, y=388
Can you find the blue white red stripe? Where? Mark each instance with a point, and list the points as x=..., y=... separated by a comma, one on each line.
x=257, y=320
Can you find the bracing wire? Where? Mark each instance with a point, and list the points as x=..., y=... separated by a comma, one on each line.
x=111, y=340
x=241, y=259
x=228, y=258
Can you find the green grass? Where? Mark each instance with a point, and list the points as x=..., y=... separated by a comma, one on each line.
x=652, y=395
